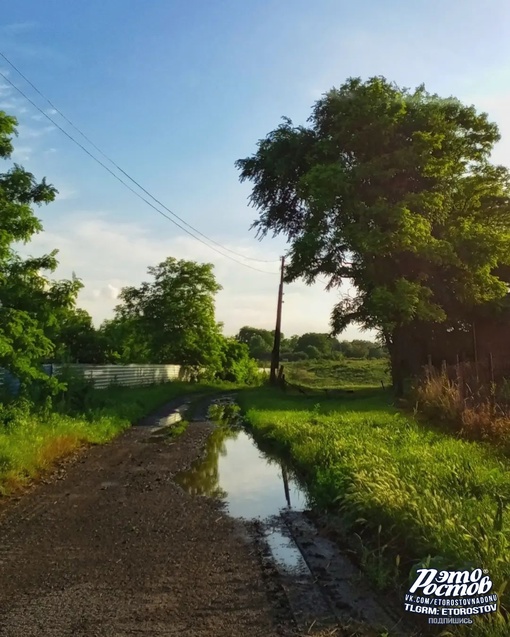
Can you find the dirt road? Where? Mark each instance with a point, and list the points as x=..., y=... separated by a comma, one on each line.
x=112, y=547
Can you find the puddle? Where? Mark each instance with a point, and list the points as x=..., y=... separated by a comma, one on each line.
x=172, y=418
x=286, y=554
x=158, y=424
x=250, y=483
x=255, y=484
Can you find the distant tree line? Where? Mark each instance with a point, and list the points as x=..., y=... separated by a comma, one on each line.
x=312, y=345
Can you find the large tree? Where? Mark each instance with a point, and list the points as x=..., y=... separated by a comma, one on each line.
x=171, y=318
x=30, y=303
x=392, y=190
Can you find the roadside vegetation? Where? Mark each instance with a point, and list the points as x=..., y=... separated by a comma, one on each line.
x=168, y=319
x=463, y=401
x=393, y=190
x=33, y=438
x=405, y=492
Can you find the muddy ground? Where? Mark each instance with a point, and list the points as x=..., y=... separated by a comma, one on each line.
x=110, y=546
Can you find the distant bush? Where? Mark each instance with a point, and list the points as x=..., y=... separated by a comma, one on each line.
x=313, y=352
x=236, y=366
x=377, y=352
x=294, y=356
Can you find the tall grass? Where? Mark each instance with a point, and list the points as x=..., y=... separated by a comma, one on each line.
x=419, y=493
x=32, y=439
x=477, y=410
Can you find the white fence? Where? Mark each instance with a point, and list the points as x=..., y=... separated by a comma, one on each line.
x=105, y=375
x=133, y=375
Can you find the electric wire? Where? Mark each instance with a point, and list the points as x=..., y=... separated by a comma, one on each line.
x=122, y=181
x=123, y=171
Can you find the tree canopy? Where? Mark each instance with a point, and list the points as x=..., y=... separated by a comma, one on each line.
x=30, y=303
x=77, y=340
x=392, y=190
x=171, y=318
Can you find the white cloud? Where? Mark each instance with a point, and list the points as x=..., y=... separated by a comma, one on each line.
x=108, y=292
x=8, y=105
x=64, y=194
x=28, y=132
x=22, y=153
x=109, y=255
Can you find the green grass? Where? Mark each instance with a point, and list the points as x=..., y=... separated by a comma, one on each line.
x=395, y=483
x=31, y=441
x=345, y=373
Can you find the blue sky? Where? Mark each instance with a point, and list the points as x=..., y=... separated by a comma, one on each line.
x=175, y=92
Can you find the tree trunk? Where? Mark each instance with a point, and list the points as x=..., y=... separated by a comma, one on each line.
x=395, y=348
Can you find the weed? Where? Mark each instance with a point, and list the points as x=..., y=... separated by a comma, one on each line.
x=477, y=411
x=177, y=430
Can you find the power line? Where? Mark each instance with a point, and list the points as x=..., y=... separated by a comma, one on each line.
x=123, y=171
x=122, y=181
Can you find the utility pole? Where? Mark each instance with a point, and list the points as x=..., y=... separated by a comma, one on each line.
x=286, y=485
x=275, y=356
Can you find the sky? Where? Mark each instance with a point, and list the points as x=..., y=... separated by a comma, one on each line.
x=175, y=92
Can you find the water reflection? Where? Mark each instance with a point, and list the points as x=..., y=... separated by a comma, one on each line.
x=203, y=478
x=250, y=482
x=286, y=553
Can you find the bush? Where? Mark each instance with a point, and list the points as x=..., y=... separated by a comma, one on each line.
x=475, y=414
x=13, y=411
x=236, y=364
x=77, y=390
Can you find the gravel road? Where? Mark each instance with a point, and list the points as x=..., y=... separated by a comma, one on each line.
x=110, y=546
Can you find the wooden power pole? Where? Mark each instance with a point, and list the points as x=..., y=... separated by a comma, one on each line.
x=275, y=356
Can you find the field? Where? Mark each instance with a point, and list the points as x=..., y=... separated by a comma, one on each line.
x=402, y=491
x=346, y=373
